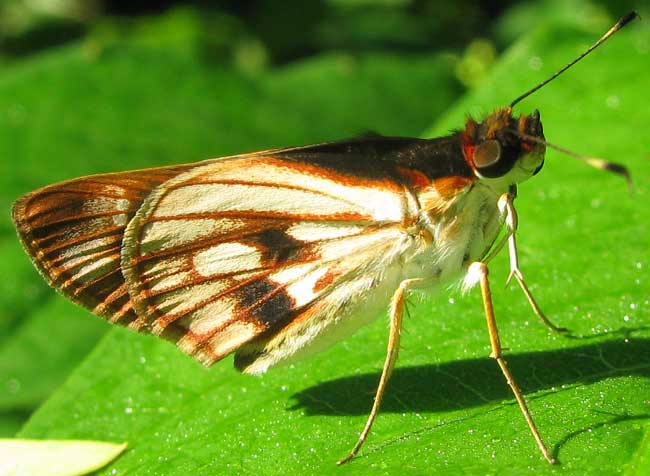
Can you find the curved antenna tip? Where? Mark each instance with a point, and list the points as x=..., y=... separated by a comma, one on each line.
x=627, y=19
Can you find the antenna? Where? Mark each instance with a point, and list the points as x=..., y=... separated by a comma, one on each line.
x=619, y=24
x=594, y=162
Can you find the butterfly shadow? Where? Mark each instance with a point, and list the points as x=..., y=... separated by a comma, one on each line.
x=474, y=382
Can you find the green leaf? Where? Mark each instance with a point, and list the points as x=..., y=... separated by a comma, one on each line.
x=584, y=249
x=47, y=347
x=55, y=458
x=11, y=422
x=641, y=461
x=74, y=112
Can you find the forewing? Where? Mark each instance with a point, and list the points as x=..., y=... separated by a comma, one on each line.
x=234, y=250
x=73, y=232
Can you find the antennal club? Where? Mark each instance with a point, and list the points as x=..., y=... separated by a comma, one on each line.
x=619, y=24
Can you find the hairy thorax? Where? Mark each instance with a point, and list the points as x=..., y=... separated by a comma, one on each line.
x=449, y=241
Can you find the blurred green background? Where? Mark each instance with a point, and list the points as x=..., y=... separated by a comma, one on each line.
x=98, y=86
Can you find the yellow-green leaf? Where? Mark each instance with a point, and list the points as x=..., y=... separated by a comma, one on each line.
x=55, y=457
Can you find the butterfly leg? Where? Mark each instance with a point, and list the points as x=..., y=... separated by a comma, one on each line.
x=396, y=314
x=482, y=271
x=506, y=206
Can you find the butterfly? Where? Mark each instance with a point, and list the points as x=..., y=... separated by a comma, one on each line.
x=277, y=254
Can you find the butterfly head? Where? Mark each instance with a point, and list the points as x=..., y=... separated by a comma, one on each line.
x=500, y=148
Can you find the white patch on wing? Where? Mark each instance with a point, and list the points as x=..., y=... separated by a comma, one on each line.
x=383, y=205
x=173, y=280
x=105, y=204
x=211, y=198
x=73, y=254
x=302, y=291
x=184, y=300
x=229, y=339
x=227, y=258
x=212, y=316
x=94, y=269
x=120, y=220
x=335, y=250
x=160, y=235
x=309, y=231
x=123, y=205
x=290, y=273
x=162, y=266
x=272, y=187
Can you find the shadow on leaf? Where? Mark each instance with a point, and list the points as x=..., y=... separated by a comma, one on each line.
x=613, y=419
x=466, y=383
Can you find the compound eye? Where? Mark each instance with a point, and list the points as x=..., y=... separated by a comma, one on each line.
x=487, y=153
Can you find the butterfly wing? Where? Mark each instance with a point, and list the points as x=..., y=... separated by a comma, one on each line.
x=73, y=231
x=235, y=251
x=263, y=254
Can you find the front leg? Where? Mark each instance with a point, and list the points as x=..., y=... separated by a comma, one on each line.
x=506, y=206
